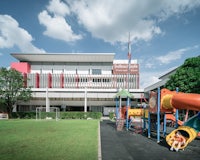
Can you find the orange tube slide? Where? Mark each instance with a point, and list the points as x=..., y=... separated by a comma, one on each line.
x=179, y=100
x=172, y=117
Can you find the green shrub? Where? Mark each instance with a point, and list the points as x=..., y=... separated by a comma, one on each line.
x=63, y=115
x=24, y=115
x=111, y=115
x=80, y=115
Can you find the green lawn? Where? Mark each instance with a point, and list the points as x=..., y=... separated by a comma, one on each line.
x=48, y=139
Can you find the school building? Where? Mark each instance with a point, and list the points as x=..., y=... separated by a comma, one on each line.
x=77, y=81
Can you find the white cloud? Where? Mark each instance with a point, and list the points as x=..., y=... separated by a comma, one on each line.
x=12, y=35
x=151, y=77
x=171, y=56
x=59, y=8
x=175, y=55
x=56, y=24
x=112, y=20
x=147, y=62
x=148, y=78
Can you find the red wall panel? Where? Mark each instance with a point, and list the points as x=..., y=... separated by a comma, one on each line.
x=22, y=67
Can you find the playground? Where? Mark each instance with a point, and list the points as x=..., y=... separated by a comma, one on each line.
x=127, y=145
x=137, y=133
x=163, y=109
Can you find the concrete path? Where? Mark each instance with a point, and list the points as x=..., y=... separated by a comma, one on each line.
x=126, y=145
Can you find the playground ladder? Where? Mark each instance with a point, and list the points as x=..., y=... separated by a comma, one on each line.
x=120, y=124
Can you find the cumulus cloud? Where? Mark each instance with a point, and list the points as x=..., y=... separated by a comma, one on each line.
x=171, y=56
x=56, y=25
x=112, y=20
x=59, y=8
x=12, y=35
x=175, y=55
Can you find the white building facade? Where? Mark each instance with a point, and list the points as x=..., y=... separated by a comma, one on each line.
x=76, y=81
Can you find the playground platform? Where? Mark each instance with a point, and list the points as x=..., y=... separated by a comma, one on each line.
x=127, y=145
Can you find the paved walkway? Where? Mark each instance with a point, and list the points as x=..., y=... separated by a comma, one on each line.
x=126, y=145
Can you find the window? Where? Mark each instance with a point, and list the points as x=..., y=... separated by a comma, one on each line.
x=96, y=71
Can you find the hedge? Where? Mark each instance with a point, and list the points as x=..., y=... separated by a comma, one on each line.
x=63, y=115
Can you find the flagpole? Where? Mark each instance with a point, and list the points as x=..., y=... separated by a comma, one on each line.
x=128, y=98
x=129, y=60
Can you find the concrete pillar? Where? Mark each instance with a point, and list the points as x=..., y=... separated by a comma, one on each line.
x=47, y=101
x=63, y=107
x=85, y=105
x=14, y=108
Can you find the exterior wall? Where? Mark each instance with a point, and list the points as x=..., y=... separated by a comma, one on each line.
x=80, y=75
x=22, y=67
x=66, y=83
x=121, y=67
x=70, y=68
x=97, y=99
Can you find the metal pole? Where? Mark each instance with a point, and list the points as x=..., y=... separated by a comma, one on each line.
x=129, y=62
x=127, y=105
x=117, y=108
x=120, y=107
x=36, y=114
x=158, y=116
x=176, y=114
x=164, y=125
x=149, y=125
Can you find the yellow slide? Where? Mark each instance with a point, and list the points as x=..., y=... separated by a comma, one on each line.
x=178, y=100
x=189, y=133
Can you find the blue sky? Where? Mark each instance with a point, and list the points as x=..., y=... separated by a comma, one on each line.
x=163, y=33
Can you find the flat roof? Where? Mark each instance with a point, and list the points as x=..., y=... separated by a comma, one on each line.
x=124, y=61
x=64, y=57
x=168, y=73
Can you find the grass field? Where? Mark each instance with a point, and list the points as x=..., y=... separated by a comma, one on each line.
x=49, y=139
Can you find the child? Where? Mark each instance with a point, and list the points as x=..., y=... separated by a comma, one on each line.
x=178, y=140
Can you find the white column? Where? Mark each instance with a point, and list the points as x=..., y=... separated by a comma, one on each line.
x=47, y=101
x=85, y=105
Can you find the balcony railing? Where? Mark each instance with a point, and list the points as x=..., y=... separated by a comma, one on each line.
x=36, y=80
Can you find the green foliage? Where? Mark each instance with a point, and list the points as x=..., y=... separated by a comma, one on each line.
x=187, y=77
x=111, y=115
x=24, y=115
x=80, y=115
x=12, y=89
x=63, y=115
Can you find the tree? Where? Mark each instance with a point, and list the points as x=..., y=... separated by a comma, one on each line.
x=186, y=77
x=12, y=89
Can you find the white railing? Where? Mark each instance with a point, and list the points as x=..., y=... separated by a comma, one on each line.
x=81, y=81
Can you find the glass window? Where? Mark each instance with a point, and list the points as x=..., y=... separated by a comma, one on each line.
x=96, y=71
